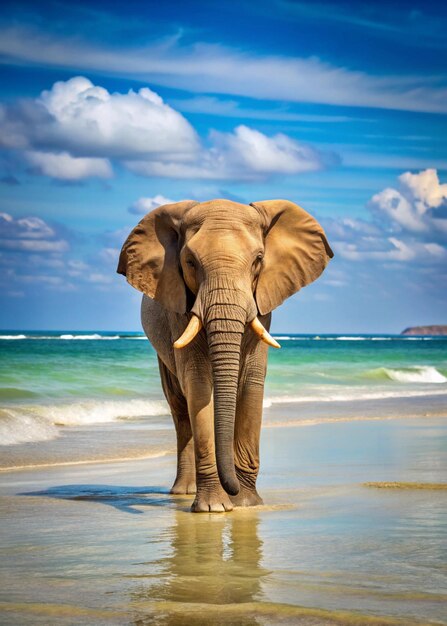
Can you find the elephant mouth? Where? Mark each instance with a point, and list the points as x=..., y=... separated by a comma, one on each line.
x=195, y=325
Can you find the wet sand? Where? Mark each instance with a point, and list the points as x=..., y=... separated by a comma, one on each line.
x=105, y=543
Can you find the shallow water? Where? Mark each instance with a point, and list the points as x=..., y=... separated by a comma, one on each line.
x=98, y=544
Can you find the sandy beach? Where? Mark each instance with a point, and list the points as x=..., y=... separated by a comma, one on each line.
x=105, y=543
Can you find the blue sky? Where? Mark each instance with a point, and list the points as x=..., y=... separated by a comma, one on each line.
x=107, y=110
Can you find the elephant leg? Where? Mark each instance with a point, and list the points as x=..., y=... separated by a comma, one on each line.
x=247, y=432
x=185, y=481
x=247, y=428
x=210, y=496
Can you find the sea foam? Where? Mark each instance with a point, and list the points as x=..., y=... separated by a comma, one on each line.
x=349, y=395
x=415, y=374
x=26, y=423
x=95, y=337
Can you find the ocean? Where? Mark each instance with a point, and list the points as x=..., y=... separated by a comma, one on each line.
x=51, y=382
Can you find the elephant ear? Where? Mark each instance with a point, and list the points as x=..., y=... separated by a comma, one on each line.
x=149, y=258
x=296, y=252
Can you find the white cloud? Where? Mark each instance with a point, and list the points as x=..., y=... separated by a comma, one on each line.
x=425, y=188
x=29, y=245
x=102, y=279
x=395, y=250
x=72, y=130
x=257, y=153
x=65, y=167
x=243, y=154
x=206, y=68
x=350, y=229
x=414, y=206
x=88, y=119
x=29, y=227
x=409, y=224
x=57, y=283
x=75, y=267
x=29, y=234
x=144, y=205
x=400, y=210
x=110, y=255
x=32, y=253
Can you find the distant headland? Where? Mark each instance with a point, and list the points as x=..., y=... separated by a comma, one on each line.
x=425, y=330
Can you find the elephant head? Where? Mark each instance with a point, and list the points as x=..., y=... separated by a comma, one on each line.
x=224, y=263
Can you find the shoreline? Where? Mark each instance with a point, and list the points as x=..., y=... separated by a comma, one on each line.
x=134, y=439
x=145, y=457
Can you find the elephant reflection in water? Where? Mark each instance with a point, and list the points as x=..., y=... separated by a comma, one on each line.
x=214, y=561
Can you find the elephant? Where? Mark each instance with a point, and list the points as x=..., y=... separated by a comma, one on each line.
x=211, y=273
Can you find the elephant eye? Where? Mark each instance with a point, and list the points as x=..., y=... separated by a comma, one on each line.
x=190, y=263
x=257, y=261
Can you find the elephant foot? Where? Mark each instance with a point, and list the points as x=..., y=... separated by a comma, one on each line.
x=211, y=498
x=183, y=485
x=247, y=497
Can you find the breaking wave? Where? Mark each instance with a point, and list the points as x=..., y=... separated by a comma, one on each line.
x=26, y=423
x=345, y=395
x=415, y=374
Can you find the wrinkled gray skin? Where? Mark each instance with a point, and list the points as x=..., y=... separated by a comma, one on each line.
x=227, y=263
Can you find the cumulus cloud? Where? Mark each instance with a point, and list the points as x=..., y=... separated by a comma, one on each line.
x=243, y=154
x=75, y=129
x=144, y=205
x=408, y=223
x=425, y=188
x=86, y=120
x=65, y=167
x=257, y=153
x=416, y=205
x=72, y=130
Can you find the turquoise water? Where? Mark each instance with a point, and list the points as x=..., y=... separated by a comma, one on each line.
x=54, y=379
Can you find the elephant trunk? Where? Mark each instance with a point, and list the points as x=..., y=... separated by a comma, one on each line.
x=224, y=312
x=225, y=327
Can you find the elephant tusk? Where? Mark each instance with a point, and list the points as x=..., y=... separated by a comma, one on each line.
x=263, y=334
x=194, y=327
